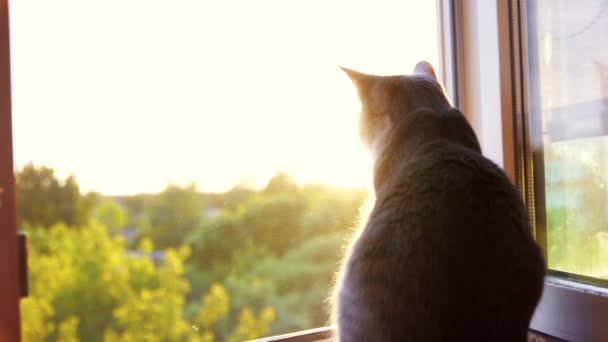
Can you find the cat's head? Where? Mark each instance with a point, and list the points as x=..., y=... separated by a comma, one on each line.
x=386, y=99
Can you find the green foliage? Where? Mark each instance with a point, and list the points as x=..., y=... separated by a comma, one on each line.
x=575, y=250
x=137, y=208
x=276, y=222
x=110, y=214
x=230, y=266
x=173, y=214
x=85, y=286
x=68, y=330
x=215, y=306
x=280, y=183
x=251, y=326
x=206, y=267
x=278, y=248
x=577, y=238
x=43, y=200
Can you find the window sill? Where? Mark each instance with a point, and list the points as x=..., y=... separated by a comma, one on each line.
x=313, y=335
x=325, y=335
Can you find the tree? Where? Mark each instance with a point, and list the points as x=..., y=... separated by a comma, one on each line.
x=43, y=200
x=173, y=214
x=280, y=183
x=279, y=249
x=110, y=214
x=262, y=263
x=85, y=286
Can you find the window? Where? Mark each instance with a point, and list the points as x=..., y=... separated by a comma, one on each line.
x=192, y=169
x=518, y=84
x=533, y=81
x=568, y=101
x=564, y=116
x=137, y=99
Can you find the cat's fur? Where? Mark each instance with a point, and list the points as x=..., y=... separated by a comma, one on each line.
x=447, y=253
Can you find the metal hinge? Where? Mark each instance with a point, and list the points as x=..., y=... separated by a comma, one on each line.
x=22, y=257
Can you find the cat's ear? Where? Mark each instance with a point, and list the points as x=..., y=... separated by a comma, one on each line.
x=425, y=68
x=359, y=79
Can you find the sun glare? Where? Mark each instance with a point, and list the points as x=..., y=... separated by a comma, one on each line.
x=130, y=95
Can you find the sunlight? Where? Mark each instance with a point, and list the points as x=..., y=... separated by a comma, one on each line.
x=200, y=91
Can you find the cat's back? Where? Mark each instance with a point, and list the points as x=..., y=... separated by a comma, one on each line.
x=436, y=158
x=446, y=255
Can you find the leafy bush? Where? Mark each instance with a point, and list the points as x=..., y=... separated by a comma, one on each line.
x=86, y=285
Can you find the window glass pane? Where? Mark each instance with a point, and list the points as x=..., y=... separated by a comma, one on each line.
x=569, y=108
x=192, y=169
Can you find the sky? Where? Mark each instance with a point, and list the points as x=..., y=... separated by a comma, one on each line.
x=130, y=95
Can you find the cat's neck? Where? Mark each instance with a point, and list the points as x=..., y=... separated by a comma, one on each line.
x=379, y=145
x=419, y=133
x=400, y=141
x=387, y=151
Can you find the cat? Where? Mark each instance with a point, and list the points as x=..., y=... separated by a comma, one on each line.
x=447, y=252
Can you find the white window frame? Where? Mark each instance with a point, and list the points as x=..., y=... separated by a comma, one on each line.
x=488, y=78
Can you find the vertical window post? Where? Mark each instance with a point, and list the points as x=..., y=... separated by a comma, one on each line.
x=483, y=67
x=9, y=273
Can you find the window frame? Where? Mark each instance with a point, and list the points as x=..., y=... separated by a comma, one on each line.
x=447, y=49
x=9, y=273
x=492, y=39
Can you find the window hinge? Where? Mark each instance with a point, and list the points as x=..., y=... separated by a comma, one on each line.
x=23, y=281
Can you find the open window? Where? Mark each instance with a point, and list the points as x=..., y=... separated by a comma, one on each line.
x=122, y=88
x=136, y=99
